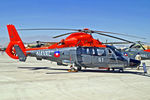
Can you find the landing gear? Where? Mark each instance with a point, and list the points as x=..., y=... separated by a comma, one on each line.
x=121, y=70
x=113, y=69
x=108, y=69
x=72, y=69
x=79, y=68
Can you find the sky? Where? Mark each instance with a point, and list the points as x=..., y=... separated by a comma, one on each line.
x=121, y=16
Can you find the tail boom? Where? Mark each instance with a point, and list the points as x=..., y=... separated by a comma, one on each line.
x=16, y=48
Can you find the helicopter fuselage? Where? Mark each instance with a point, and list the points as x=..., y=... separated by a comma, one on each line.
x=87, y=57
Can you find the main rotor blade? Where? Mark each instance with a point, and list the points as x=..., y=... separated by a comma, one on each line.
x=39, y=29
x=63, y=35
x=141, y=45
x=115, y=42
x=114, y=37
x=121, y=34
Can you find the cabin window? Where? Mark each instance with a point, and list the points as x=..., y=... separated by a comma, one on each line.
x=84, y=51
x=88, y=51
x=93, y=51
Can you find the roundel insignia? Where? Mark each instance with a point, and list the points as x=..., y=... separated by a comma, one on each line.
x=56, y=54
x=125, y=54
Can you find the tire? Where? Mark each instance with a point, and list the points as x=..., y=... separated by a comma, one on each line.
x=113, y=69
x=121, y=70
x=108, y=69
x=79, y=68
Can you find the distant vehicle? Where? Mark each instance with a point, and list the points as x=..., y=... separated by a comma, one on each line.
x=79, y=50
x=39, y=44
x=2, y=49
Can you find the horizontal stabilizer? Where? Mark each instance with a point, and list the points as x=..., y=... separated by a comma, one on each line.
x=20, y=53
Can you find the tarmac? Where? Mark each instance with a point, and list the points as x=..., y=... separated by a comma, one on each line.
x=44, y=80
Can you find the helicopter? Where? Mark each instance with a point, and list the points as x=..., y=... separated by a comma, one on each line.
x=137, y=48
x=134, y=48
x=78, y=50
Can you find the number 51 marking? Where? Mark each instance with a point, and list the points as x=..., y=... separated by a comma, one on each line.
x=100, y=59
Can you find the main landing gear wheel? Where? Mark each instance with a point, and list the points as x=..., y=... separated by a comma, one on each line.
x=108, y=69
x=113, y=69
x=121, y=70
x=79, y=68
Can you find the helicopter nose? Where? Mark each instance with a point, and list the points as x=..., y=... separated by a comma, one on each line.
x=134, y=63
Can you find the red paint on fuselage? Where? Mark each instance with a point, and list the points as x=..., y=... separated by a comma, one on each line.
x=78, y=39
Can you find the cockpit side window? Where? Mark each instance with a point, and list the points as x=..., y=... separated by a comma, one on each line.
x=109, y=51
x=101, y=52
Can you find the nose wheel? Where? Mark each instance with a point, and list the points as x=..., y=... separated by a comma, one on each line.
x=73, y=69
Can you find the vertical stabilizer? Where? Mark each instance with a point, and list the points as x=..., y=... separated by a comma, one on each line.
x=14, y=40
